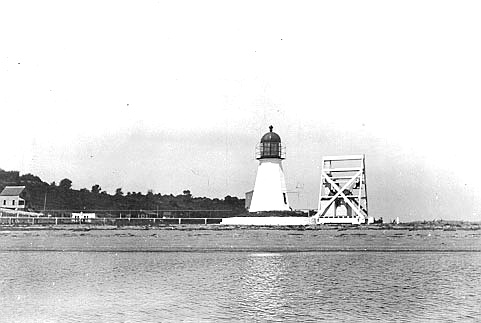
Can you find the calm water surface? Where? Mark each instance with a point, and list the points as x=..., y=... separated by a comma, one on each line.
x=221, y=285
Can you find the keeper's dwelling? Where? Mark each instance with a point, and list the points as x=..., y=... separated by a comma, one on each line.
x=83, y=217
x=13, y=198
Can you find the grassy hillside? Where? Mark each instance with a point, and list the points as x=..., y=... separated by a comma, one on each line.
x=63, y=197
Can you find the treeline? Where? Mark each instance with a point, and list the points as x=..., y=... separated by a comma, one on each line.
x=41, y=195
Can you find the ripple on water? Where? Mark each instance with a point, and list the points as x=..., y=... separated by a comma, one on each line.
x=239, y=286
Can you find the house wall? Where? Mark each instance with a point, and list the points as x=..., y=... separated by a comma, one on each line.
x=12, y=202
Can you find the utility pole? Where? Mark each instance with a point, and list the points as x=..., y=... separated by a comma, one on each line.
x=45, y=201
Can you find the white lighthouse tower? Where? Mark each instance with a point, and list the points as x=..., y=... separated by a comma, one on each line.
x=270, y=192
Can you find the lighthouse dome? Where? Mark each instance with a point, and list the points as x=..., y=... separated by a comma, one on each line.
x=270, y=146
x=271, y=137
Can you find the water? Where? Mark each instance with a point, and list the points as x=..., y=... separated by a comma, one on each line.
x=117, y=281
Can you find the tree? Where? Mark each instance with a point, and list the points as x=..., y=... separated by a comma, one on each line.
x=118, y=192
x=65, y=184
x=96, y=189
x=30, y=178
x=230, y=200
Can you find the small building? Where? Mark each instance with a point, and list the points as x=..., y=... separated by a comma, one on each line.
x=248, y=199
x=13, y=198
x=83, y=217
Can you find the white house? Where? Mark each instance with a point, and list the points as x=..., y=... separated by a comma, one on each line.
x=83, y=217
x=13, y=197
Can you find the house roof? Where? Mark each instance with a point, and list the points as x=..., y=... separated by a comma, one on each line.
x=12, y=190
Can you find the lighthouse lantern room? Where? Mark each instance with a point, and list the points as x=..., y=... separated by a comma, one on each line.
x=270, y=192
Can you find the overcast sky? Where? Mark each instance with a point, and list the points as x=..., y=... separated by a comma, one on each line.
x=174, y=95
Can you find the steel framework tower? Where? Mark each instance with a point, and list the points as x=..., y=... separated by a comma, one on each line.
x=343, y=190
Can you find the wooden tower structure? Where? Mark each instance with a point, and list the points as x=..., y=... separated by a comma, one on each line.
x=343, y=191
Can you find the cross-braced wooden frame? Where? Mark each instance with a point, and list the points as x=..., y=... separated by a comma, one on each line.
x=343, y=183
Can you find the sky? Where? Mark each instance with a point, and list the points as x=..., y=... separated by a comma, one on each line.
x=175, y=95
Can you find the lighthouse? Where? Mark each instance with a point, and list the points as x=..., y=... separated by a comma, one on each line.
x=270, y=192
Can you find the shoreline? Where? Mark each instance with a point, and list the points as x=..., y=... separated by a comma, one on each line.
x=260, y=239
x=216, y=227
